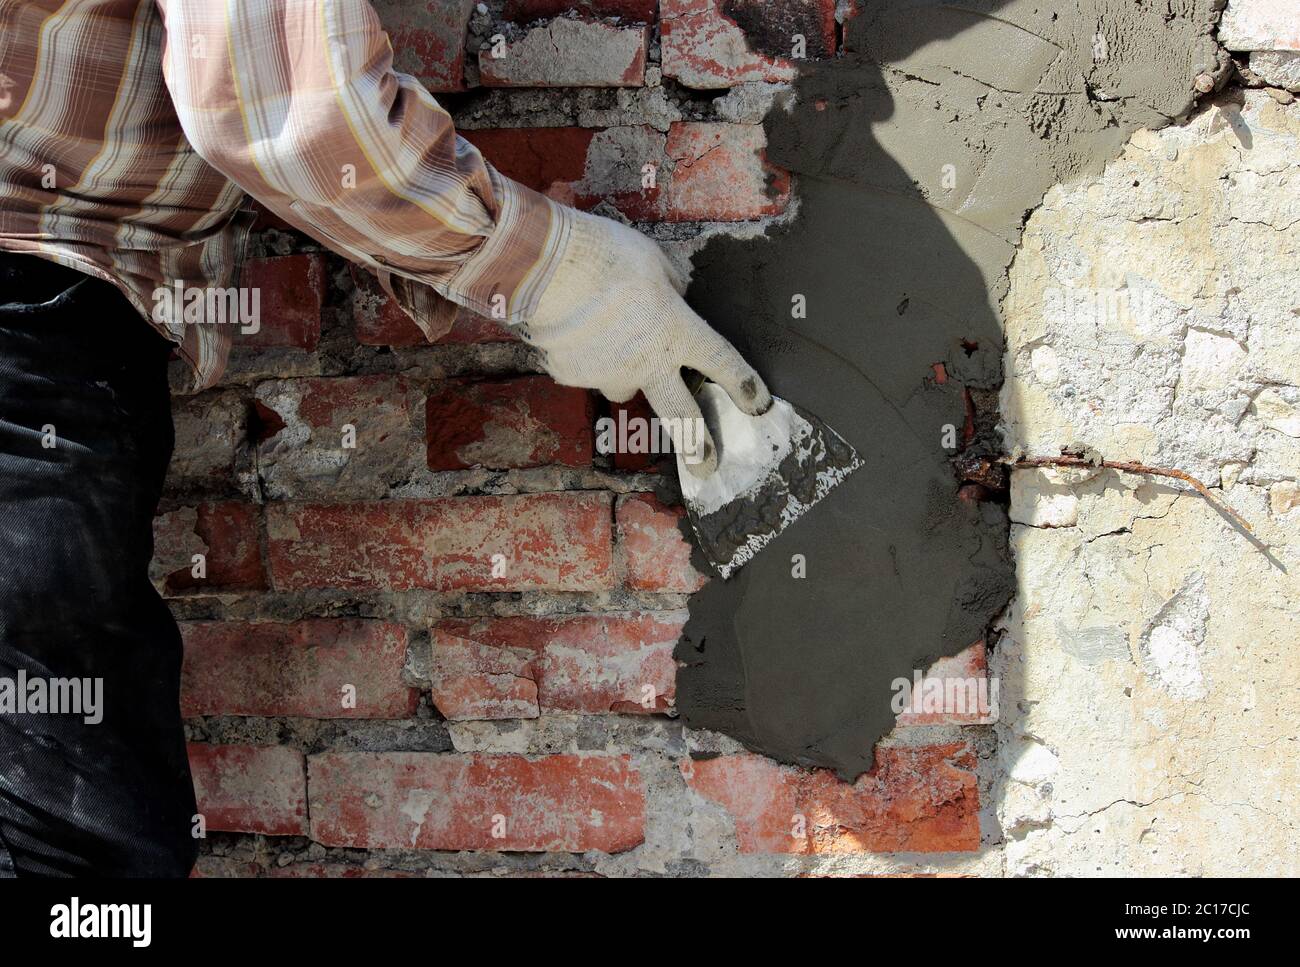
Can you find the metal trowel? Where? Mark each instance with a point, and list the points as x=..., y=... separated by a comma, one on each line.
x=772, y=469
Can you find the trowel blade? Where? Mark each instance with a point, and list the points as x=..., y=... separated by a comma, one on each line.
x=772, y=469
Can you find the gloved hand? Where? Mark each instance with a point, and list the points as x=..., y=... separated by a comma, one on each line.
x=613, y=319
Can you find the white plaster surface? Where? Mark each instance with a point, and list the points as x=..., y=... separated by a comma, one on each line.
x=1150, y=663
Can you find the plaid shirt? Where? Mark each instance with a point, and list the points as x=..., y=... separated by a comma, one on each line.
x=130, y=131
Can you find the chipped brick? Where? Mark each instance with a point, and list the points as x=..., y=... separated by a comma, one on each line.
x=526, y=422
x=514, y=667
x=317, y=668
x=545, y=542
x=250, y=789
x=922, y=800
x=415, y=800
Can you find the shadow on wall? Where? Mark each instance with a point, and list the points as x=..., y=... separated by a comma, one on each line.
x=899, y=570
x=917, y=156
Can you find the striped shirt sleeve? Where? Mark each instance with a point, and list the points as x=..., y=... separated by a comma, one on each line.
x=296, y=101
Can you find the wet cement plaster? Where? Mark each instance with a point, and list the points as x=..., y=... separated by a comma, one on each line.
x=918, y=155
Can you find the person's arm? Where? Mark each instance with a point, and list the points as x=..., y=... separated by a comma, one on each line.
x=296, y=102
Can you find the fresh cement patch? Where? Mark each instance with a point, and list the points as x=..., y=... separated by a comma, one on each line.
x=918, y=155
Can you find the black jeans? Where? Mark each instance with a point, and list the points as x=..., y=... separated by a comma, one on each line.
x=85, y=438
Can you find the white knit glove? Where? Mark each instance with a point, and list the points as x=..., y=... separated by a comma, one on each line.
x=613, y=319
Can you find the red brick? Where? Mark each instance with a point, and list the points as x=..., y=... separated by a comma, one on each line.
x=544, y=159
x=418, y=800
x=299, y=669
x=953, y=674
x=498, y=668
x=554, y=161
x=569, y=53
x=710, y=44
x=707, y=171
x=472, y=680
x=428, y=39
x=231, y=531
x=633, y=11
x=292, y=290
x=625, y=415
x=331, y=401
x=470, y=328
x=380, y=321
x=549, y=542
x=656, y=556
x=922, y=800
x=250, y=789
x=526, y=422
x=720, y=173
x=233, y=554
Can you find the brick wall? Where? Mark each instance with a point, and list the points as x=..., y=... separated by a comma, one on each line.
x=428, y=627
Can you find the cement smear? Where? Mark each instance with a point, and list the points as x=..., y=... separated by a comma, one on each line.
x=918, y=156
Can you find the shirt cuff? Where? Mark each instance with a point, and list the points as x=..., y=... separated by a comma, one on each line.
x=505, y=278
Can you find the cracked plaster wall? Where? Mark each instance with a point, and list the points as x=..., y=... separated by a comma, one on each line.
x=1148, y=661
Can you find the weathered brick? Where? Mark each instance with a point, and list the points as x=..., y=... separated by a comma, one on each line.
x=211, y=430
x=584, y=167
x=1260, y=25
x=232, y=532
x=956, y=679
x=526, y=422
x=710, y=44
x=544, y=542
x=319, y=668
x=625, y=419
x=634, y=11
x=550, y=160
x=472, y=680
x=921, y=800
x=226, y=533
x=516, y=667
x=428, y=39
x=470, y=328
x=656, y=556
x=415, y=800
x=175, y=544
x=250, y=789
x=380, y=321
x=292, y=290
x=330, y=402
x=703, y=170
x=720, y=173
x=310, y=450
x=569, y=53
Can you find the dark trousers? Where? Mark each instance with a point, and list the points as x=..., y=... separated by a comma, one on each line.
x=85, y=438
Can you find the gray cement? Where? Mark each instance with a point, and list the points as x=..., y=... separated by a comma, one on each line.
x=918, y=156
